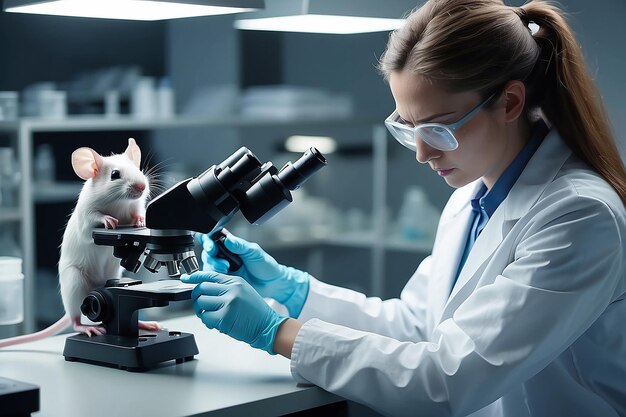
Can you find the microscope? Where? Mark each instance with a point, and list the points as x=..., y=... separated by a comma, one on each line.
x=203, y=204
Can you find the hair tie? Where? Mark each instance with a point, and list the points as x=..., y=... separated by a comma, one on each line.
x=523, y=15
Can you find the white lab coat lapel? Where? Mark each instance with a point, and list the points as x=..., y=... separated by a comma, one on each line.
x=483, y=248
x=539, y=172
x=449, y=247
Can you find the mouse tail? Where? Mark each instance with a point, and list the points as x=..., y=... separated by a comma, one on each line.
x=51, y=330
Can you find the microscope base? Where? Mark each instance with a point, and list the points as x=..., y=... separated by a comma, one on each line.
x=135, y=354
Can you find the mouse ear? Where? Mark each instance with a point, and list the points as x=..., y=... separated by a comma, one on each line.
x=86, y=163
x=133, y=152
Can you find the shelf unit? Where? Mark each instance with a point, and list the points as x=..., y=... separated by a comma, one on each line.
x=56, y=192
x=31, y=193
x=10, y=215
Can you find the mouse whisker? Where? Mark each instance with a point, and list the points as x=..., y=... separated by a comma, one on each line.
x=158, y=166
x=156, y=191
x=151, y=154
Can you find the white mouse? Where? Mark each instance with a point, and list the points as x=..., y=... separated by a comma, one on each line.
x=114, y=195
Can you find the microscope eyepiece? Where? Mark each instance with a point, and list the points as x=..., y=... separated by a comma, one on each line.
x=206, y=203
x=294, y=175
x=270, y=193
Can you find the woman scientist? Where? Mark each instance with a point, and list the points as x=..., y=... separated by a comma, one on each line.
x=520, y=309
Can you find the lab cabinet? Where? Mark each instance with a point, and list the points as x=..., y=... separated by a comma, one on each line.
x=23, y=135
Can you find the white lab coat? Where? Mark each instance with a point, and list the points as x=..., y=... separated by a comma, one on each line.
x=535, y=325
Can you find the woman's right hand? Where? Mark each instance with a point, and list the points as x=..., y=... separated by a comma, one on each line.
x=288, y=286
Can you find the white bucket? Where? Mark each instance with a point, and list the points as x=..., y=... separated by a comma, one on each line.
x=11, y=290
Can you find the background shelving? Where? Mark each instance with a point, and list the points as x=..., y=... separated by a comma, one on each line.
x=10, y=214
x=32, y=193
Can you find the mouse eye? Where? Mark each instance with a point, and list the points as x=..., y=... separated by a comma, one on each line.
x=115, y=175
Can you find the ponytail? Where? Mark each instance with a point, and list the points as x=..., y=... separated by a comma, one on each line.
x=569, y=99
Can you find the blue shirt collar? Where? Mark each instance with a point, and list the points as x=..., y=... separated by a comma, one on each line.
x=489, y=200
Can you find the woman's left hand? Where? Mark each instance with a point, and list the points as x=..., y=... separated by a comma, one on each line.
x=229, y=304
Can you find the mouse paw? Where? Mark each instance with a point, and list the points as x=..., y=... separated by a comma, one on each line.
x=139, y=220
x=149, y=325
x=109, y=222
x=90, y=330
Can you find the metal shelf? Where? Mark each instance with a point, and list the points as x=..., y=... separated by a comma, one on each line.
x=10, y=214
x=404, y=245
x=100, y=123
x=364, y=240
x=56, y=192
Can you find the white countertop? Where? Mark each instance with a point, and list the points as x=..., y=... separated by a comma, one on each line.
x=227, y=377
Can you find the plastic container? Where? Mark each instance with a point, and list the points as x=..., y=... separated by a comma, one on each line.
x=112, y=103
x=142, y=99
x=418, y=218
x=9, y=178
x=44, y=164
x=52, y=104
x=8, y=105
x=11, y=290
x=165, y=99
x=8, y=245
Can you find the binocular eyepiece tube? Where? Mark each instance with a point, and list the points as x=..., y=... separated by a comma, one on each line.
x=294, y=175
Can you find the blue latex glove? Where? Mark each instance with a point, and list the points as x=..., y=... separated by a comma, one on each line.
x=288, y=286
x=229, y=304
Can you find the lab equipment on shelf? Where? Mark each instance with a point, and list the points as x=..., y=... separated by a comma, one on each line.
x=142, y=98
x=418, y=217
x=11, y=290
x=151, y=99
x=112, y=103
x=8, y=245
x=44, y=100
x=44, y=164
x=287, y=102
x=313, y=217
x=165, y=99
x=9, y=178
x=8, y=105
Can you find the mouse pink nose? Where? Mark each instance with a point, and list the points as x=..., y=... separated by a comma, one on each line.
x=139, y=186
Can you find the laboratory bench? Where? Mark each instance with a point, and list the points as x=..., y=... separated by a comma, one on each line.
x=227, y=378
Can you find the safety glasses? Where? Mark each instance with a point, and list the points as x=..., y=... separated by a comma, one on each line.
x=435, y=135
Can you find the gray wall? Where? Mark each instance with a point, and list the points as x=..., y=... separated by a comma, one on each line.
x=54, y=48
x=200, y=53
x=600, y=29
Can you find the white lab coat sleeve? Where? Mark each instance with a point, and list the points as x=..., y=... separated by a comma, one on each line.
x=563, y=274
x=403, y=319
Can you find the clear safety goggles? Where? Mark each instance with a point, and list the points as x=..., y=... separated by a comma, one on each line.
x=436, y=135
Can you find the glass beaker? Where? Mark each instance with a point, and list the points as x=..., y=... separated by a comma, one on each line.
x=9, y=178
x=11, y=290
x=8, y=105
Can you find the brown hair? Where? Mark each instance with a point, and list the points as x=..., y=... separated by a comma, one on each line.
x=481, y=44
